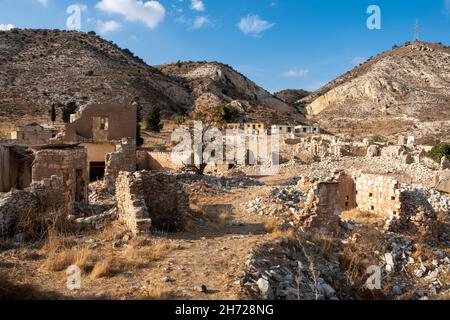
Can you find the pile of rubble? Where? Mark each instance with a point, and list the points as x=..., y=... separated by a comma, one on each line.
x=283, y=271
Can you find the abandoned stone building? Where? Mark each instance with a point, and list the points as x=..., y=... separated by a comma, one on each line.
x=33, y=134
x=15, y=167
x=100, y=129
x=67, y=162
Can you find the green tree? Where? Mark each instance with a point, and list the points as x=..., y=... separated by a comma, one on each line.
x=139, y=139
x=67, y=110
x=153, y=119
x=53, y=113
x=225, y=113
x=439, y=151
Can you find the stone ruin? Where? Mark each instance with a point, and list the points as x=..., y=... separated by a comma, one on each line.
x=379, y=195
x=41, y=197
x=124, y=159
x=148, y=199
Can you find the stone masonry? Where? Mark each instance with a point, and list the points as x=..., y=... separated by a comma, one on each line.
x=379, y=195
x=67, y=163
x=147, y=199
x=124, y=159
x=41, y=197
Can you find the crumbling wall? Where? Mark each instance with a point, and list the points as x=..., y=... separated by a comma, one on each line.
x=322, y=208
x=124, y=159
x=347, y=192
x=70, y=165
x=147, y=198
x=156, y=161
x=379, y=195
x=42, y=197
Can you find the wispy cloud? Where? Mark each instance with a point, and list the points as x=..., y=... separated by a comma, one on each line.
x=110, y=26
x=197, y=5
x=151, y=12
x=254, y=25
x=6, y=27
x=356, y=61
x=43, y=2
x=295, y=73
x=201, y=22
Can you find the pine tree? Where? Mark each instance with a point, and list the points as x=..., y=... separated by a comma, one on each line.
x=153, y=119
x=139, y=139
x=53, y=113
x=67, y=110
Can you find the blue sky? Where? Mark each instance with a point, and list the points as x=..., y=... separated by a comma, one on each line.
x=277, y=43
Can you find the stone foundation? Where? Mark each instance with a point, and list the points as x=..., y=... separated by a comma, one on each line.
x=147, y=199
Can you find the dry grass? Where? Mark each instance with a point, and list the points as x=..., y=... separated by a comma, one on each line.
x=271, y=225
x=288, y=234
x=102, y=268
x=61, y=260
x=361, y=217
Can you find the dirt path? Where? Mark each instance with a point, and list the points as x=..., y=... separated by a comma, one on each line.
x=211, y=253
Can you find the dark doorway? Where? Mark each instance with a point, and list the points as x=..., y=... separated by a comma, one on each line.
x=96, y=171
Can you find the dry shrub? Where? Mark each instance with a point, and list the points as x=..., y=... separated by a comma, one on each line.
x=288, y=234
x=61, y=260
x=102, y=268
x=358, y=255
x=38, y=225
x=326, y=242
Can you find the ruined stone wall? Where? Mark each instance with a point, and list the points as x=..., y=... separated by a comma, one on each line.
x=323, y=207
x=147, y=198
x=124, y=159
x=379, y=195
x=68, y=164
x=156, y=161
x=42, y=197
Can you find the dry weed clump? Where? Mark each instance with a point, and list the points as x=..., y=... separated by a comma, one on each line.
x=61, y=260
x=288, y=235
x=102, y=268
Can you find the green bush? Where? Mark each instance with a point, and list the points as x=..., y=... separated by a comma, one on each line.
x=439, y=151
x=226, y=113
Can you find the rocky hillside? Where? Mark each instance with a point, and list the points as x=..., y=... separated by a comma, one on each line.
x=405, y=90
x=213, y=83
x=38, y=67
x=291, y=96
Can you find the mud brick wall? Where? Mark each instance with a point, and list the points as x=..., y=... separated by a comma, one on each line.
x=124, y=159
x=378, y=194
x=68, y=164
x=147, y=198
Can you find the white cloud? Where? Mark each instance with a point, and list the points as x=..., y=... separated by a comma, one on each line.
x=151, y=12
x=254, y=25
x=356, y=61
x=6, y=27
x=197, y=5
x=108, y=26
x=295, y=73
x=43, y=2
x=200, y=22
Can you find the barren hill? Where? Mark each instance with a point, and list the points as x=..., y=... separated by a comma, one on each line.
x=213, y=83
x=291, y=96
x=38, y=67
x=405, y=90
